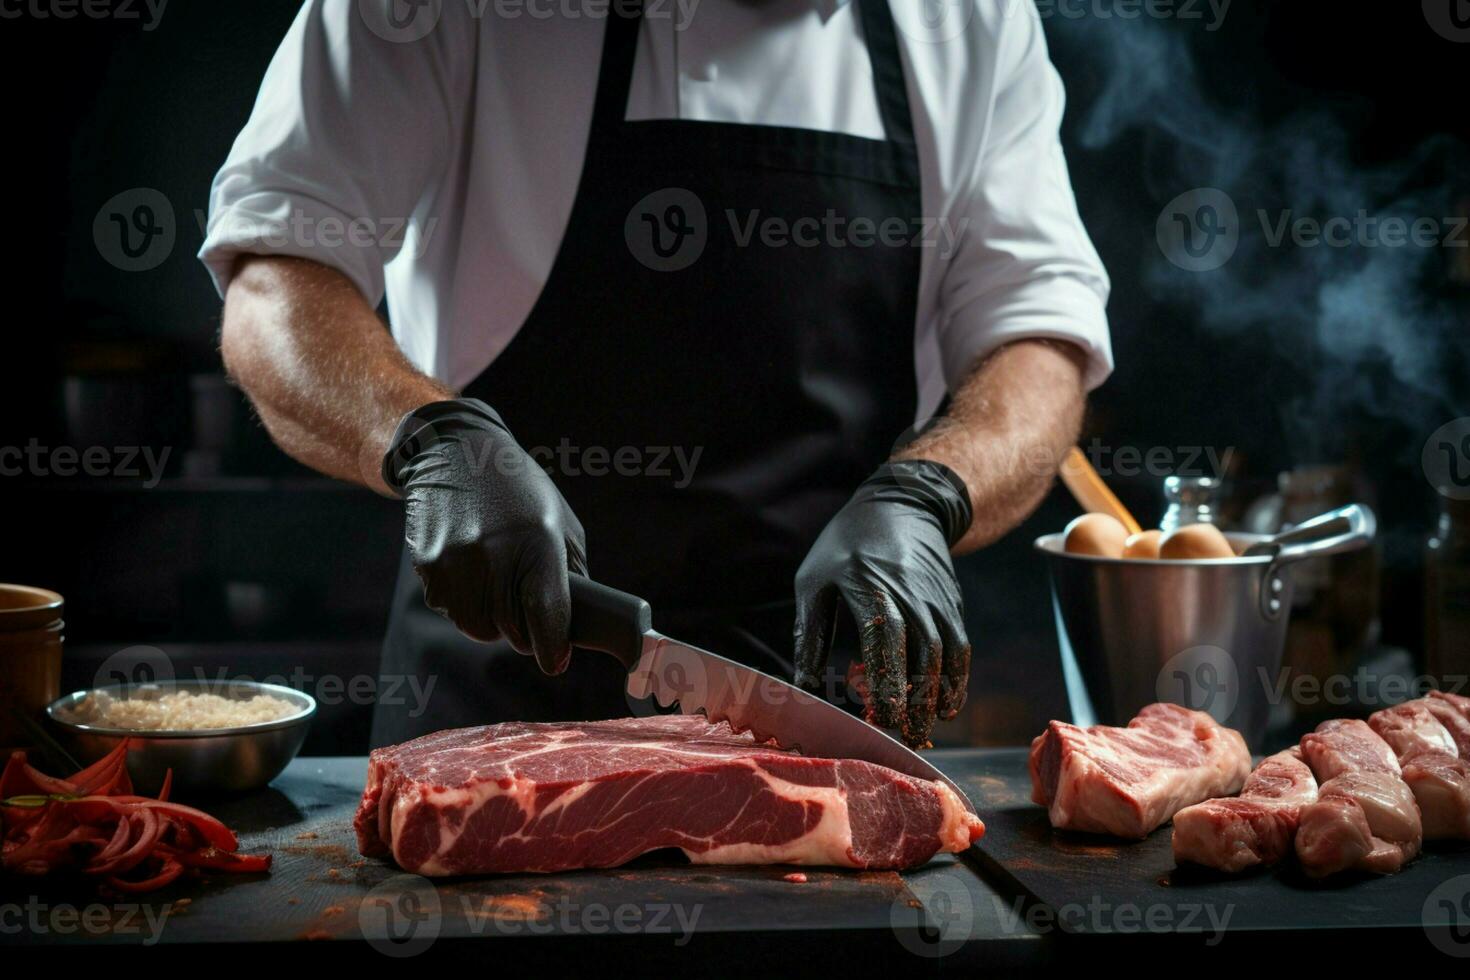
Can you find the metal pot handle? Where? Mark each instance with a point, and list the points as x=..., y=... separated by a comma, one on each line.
x=1345, y=529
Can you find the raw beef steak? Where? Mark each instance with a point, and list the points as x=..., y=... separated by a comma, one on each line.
x=520, y=797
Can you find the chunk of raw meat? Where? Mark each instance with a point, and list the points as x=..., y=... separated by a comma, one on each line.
x=1128, y=781
x=1453, y=712
x=1432, y=767
x=1364, y=821
x=1411, y=729
x=1257, y=827
x=1441, y=786
x=551, y=797
x=1365, y=817
x=1458, y=701
x=1347, y=745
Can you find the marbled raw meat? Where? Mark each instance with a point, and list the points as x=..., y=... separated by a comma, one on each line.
x=521, y=797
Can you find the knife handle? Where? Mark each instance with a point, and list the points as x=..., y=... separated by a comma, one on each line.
x=608, y=620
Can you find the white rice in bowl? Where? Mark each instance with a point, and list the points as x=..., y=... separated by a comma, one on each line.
x=180, y=711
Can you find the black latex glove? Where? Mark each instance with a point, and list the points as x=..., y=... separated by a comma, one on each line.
x=489, y=533
x=886, y=556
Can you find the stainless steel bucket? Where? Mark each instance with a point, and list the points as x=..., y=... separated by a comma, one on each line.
x=1206, y=634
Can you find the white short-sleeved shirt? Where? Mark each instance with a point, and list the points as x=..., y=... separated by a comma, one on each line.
x=435, y=159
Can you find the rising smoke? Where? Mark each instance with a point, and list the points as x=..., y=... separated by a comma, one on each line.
x=1367, y=324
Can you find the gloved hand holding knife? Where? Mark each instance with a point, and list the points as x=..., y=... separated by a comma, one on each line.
x=488, y=532
x=493, y=541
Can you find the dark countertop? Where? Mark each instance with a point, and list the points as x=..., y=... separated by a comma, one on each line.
x=981, y=909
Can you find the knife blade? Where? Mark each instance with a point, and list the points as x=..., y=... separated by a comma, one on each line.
x=705, y=683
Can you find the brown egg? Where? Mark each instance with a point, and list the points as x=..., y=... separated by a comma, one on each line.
x=1195, y=541
x=1096, y=534
x=1145, y=544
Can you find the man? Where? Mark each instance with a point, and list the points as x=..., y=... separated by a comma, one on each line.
x=667, y=288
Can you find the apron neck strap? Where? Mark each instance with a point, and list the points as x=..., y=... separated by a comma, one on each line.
x=893, y=95
x=620, y=50
x=615, y=76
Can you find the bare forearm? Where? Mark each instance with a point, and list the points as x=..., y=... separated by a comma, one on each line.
x=326, y=377
x=1008, y=426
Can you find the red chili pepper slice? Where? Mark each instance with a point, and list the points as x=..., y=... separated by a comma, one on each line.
x=147, y=826
x=102, y=765
x=119, y=842
x=171, y=869
x=218, y=860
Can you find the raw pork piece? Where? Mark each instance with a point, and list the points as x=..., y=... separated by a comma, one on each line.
x=1453, y=712
x=1411, y=729
x=1432, y=767
x=1459, y=701
x=1365, y=817
x=521, y=797
x=1257, y=827
x=1441, y=786
x=1347, y=745
x=1128, y=781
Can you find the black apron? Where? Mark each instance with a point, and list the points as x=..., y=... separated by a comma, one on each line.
x=671, y=324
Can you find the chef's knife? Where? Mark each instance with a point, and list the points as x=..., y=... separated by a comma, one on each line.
x=705, y=683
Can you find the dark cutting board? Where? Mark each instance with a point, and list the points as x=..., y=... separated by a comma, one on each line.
x=1101, y=885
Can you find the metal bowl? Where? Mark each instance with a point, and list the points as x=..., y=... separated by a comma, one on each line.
x=204, y=761
x=1197, y=633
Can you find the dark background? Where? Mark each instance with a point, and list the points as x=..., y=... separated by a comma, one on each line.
x=241, y=560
